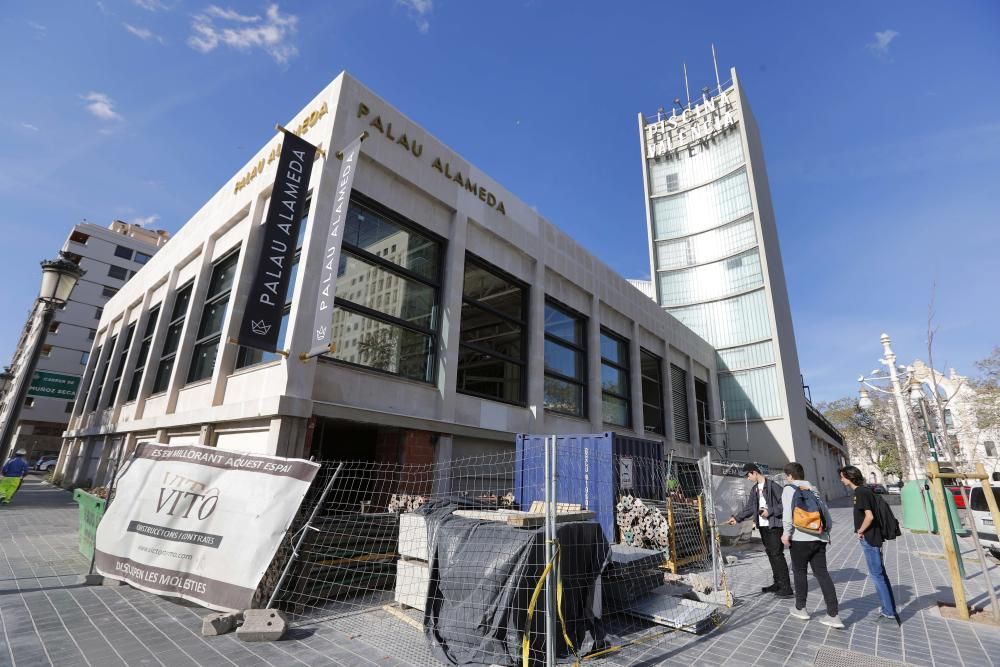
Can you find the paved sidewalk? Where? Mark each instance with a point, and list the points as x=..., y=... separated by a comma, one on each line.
x=48, y=618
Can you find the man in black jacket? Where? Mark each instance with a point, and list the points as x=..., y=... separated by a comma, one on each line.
x=764, y=504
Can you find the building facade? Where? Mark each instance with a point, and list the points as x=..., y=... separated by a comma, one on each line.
x=461, y=318
x=110, y=256
x=716, y=265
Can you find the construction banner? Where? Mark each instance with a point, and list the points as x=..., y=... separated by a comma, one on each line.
x=199, y=523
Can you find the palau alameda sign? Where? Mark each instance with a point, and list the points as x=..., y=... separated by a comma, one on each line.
x=54, y=385
x=199, y=523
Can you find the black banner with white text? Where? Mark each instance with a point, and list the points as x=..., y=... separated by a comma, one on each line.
x=269, y=291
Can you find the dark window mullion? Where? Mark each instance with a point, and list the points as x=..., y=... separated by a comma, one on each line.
x=379, y=315
x=494, y=311
x=496, y=355
x=564, y=378
x=386, y=265
x=565, y=343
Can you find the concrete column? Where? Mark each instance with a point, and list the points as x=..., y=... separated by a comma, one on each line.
x=595, y=404
x=451, y=315
x=536, y=348
x=635, y=381
x=692, y=406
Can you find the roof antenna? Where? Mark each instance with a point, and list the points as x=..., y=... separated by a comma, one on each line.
x=687, y=90
x=716, y=64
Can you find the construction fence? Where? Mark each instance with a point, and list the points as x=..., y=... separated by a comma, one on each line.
x=538, y=556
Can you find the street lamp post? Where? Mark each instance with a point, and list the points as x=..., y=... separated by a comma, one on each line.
x=59, y=277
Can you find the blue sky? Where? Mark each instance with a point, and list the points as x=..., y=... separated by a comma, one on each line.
x=879, y=122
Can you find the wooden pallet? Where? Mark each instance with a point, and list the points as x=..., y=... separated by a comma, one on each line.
x=564, y=512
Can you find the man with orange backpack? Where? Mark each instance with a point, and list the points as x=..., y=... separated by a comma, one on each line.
x=806, y=521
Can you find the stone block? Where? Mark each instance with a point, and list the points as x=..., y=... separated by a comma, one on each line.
x=412, y=581
x=413, y=536
x=218, y=624
x=262, y=625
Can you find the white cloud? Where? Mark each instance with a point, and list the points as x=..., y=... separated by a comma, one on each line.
x=145, y=221
x=38, y=28
x=419, y=10
x=101, y=106
x=270, y=33
x=882, y=41
x=144, y=34
x=29, y=126
x=150, y=5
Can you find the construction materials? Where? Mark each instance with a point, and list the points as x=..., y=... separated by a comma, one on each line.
x=412, y=578
x=665, y=609
x=641, y=524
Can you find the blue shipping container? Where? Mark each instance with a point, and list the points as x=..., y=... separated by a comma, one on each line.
x=584, y=474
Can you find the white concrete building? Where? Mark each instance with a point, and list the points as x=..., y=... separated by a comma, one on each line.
x=110, y=256
x=716, y=267
x=462, y=317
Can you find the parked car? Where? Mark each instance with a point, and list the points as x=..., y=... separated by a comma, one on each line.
x=956, y=492
x=895, y=488
x=878, y=488
x=46, y=461
x=985, y=528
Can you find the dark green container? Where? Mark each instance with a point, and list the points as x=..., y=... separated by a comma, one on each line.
x=91, y=511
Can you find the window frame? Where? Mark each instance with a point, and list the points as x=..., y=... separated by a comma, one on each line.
x=383, y=264
x=112, y=270
x=145, y=344
x=120, y=248
x=211, y=300
x=525, y=288
x=658, y=378
x=626, y=371
x=172, y=355
x=122, y=358
x=581, y=320
x=95, y=397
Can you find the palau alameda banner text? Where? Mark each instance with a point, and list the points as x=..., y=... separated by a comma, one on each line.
x=199, y=523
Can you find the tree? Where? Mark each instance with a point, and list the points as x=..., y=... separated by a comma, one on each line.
x=870, y=435
x=378, y=348
x=987, y=387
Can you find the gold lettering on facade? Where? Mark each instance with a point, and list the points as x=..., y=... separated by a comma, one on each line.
x=307, y=124
x=417, y=149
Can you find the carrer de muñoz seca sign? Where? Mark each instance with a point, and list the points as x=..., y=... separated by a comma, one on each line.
x=443, y=167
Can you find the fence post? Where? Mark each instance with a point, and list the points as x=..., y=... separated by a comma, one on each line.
x=302, y=537
x=550, y=550
x=706, y=472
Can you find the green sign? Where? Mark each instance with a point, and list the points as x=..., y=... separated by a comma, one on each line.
x=54, y=385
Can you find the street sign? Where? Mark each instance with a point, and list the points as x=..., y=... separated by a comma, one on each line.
x=54, y=385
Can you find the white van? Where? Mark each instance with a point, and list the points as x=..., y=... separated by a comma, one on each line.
x=985, y=527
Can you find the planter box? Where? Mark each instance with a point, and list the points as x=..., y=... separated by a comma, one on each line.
x=91, y=511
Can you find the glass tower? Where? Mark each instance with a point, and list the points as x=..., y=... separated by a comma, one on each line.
x=716, y=264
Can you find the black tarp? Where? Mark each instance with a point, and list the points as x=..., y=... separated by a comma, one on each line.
x=482, y=575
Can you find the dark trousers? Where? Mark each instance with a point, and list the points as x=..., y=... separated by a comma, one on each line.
x=812, y=553
x=775, y=551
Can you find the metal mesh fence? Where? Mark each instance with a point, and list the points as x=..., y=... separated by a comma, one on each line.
x=448, y=563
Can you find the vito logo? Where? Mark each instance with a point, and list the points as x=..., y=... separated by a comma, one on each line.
x=180, y=495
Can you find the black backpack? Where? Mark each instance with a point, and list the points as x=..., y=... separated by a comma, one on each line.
x=886, y=520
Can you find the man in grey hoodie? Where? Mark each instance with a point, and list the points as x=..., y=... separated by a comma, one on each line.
x=807, y=549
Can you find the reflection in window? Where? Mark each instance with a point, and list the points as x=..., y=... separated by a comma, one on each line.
x=706, y=246
x=95, y=395
x=671, y=173
x=120, y=369
x=702, y=208
x=492, y=351
x=750, y=394
x=140, y=361
x=615, y=380
x=565, y=361
x=652, y=392
x=710, y=281
x=173, y=338
x=385, y=313
x=213, y=315
x=729, y=322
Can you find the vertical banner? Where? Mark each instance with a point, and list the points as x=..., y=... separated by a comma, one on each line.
x=199, y=523
x=262, y=318
x=322, y=329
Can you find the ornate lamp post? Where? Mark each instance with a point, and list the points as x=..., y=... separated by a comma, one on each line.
x=59, y=277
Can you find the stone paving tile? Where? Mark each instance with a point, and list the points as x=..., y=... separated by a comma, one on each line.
x=40, y=597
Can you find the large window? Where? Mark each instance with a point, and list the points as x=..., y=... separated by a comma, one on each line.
x=123, y=252
x=213, y=315
x=652, y=392
x=679, y=399
x=614, y=380
x=701, y=405
x=385, y=312
x=751, y=394
x=120, y=368
x=492, y=352
x=706, y=246
x=703, y=208
x=119, y=272
x=669, y=174
x=95, y=394
x=565, y=361
x=729, y=322
x=140, y=361
x=711, y=281
x=748, y=356
x=88, y=377
x=173, y=338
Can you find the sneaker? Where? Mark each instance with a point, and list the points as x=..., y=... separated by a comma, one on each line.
x=799, y=613
x=769, y=589
x=885, y=618
x=833, y=622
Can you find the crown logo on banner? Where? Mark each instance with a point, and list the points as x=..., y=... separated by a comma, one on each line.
x=259, y=328
x=321, y=333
